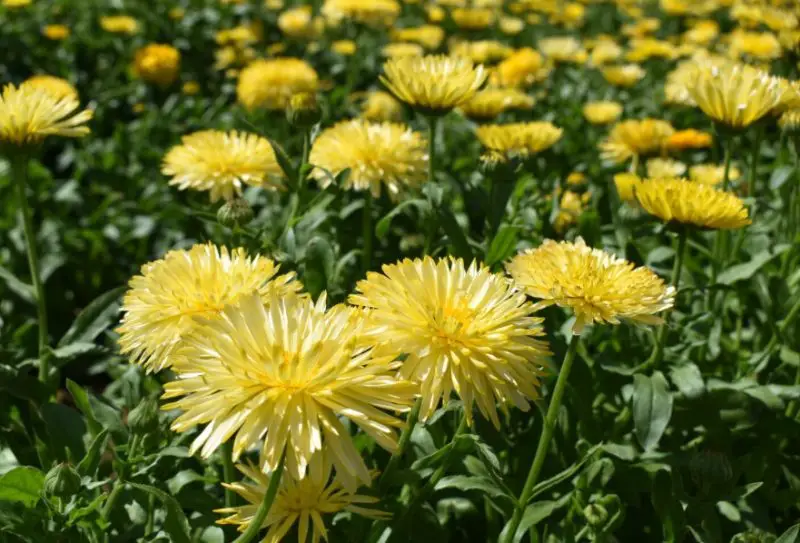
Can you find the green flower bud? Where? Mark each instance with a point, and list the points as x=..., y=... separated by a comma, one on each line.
x=62, y=481
x=595, y=514
x=753, y=536
x=235, y=213
x=143, y=418
x=303, y=111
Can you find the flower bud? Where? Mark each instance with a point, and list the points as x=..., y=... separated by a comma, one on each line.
x=143, y=418
x=303, y=111
x=235, y=212
x=62, y=481
x=595, y=514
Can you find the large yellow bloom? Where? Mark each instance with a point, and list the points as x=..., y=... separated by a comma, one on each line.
x=157, y=63
x=466, y=330
x=307, y=503
x=389, y=154
x=29, y=114
x=522, y=68
x=597, y=286
x=286, y=373
x=56, y=86
x=735, y=95
x=435, y=84
x=518, y=139
x=271, y=83
x=490, y=103
x=221, y=162
x=158, y=309
x=635, y=138
x=687, y=202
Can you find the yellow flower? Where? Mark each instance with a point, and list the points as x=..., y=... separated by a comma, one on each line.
x=576, y=179
x=602, y=112
x=157, y=63
x=370, y=12
x=344, y=47
x=604, y=52
x=399, y=50
x=597, y=286
x=644, y=49
x=626, y=75
x=428, y=36
x=306, y=503
x=635, y=138
x=490, y=103
x=511, y=26
x=29, y=114
x=735, y=95
x=518, y=139
x=702, y=32
x=381, y=106
x=687, y=202
x=712, y=174
x=466, y=330
x=562, y=49
x=570, y=208
x=271, y=83
x=220, y=162
x=298, y=23
x=434, y=84
x=190, y=88
x=472, y=18
x=481, y=51
x=790, y=120
x=292, y=371
x=626, y=184
x=436, y=14
x=522, y=68
x=57, y=87
x=119, y=24
x=758, y=45
x=16, y=3
x=56, y=32
x=159, y=309
x=658, y=168
x=388, y=154
x=689, y=139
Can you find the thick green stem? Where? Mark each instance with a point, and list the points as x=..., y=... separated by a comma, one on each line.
x=544, y=440
x=228, y=472
x=19, y=171
x=269, y=496
x=366, y=232
x=402, y=445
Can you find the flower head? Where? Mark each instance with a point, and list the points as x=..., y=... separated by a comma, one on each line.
x=389, y=154
x=626, y=183
x=370, y=12
x=285, y=373
x=28, y=114
x=602, y=112
x=472, y=18
x=435, y=84
x=307, y=503
x=712, y=174
x=490, y=103
x=689, y=139
x=634, y=138
x=157, y=63
x=402, y=49
x=481, y=51
x=55, y=86
x=790, y=121
x=518, y=139
x=381, y=106
x=562, y=49
x=159, y=306
x=298, y=23
x=626, y=75
x=597, y=286
x=428, y=36
x=271, y=83
x=56, y=32
x=522, y=68
x=687, y=202
x=221, y=162
x=658, y=168
x=119, y=24
x=466, y=330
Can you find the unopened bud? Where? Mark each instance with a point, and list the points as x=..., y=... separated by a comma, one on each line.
x=595, y=514
x=62, y=481
x=304, y=111
x=143, y=418
x=235, y=212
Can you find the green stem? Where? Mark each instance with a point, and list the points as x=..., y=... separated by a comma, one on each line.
x=402, y=445
x=366, y=232
x=151, y=508
x=294, y=200
x=751, y=180
x=269, y=496
x=432, y=124
x=228, y=472
x=119, y=486
x=544, y=440
x=19, y=171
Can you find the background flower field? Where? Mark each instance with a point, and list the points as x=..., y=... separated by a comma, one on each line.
x=644, y=391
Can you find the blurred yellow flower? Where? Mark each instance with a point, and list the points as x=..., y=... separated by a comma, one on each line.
x=790, y=120
x=221, y=163
x=428, y=36
x=604, y=52
x=597, y=286
x=381, y=106
x=602, y=112
x=562, y=49
x=576, y=179
x=55, y=86
x=298, y=23
x=626, y=183
x=56, y=32
x=503, y=141
x=658, y=168
x=490, y=103
x=399, y=50
x=287, y=373
x=344, y=47
x=433, y=84
x=270, y=83
x=463, y=329
x=119, y=24
x=626, y=75
x=702, y=32
x=436, y=14
x=472, y=18
x=689, y=139
x=645, y=49
x=712, y=174
x=482, y=51
x=159, y=309
x=570, y=209
x=377, y=154
x=370, y=12
x=757, y=45
x=190, y=88
x=16, y=3
x=687, y=202
x=635, y=138
x=511, y=26
x=29, y=114
x=157, y=63
x=522, y=68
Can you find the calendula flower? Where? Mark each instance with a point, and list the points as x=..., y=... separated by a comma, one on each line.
x=569, y=209
x=56, y=32
x=702, y=32
x=712, y=174
x=55, y=86
x=399, y=50
x=434, y=84
x=626, y=184
x=285, y=373
x=510, y=26
x=597, y=286
x=756, y=45
x=271, y=83
x=604, y=52
x=377, y=154
x=504, y=141
x=307, y=503
x=381, y=106
x=370, y=12
x=687, y=202
x=119, y=24
x=735, y=95
x=481, y=51
x=221, y=162
x=463, y=329
x=635, y=138
x=157, y=63
x=160, y=306
x=576, y=179
x=190, y=88
x=299, y=23
x=472, y=18
x=428, y=36
x=344, y=47
x=689, y=139
x=522, y=68
x=626, y=75
x=602, y=112
x=490, y=103
x=29, y=114
x=658, y=168
x=645, y=49
x=562, y=49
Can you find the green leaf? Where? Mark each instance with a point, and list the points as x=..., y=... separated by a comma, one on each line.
x=547, y=484
x=534, y=514
x=109, y=417
x=23, y=485
x=792, y=535
x=73, y=350
x=779, y=177
x=183, y=478
x=455, y=234
x=466, y=483
x=88, y=465
x=81, y=399
x=288, y=168
x=175, y=524
x=503, y=245
x=652, y=409
x=65, y=428
x=319, y=266
x=94, y=318
x=746, y=270
x=688, y=380
x=765, y=396
x=20, y=288
x=382, y=227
